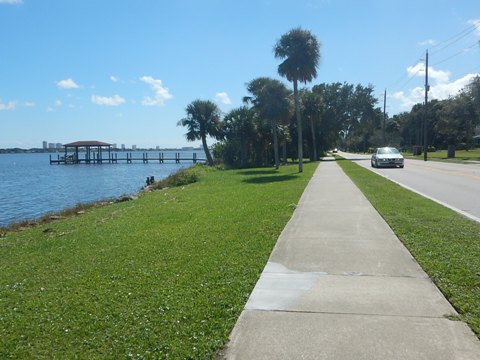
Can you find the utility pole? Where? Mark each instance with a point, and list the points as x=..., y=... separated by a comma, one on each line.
x=384, y=116
x=427, y=88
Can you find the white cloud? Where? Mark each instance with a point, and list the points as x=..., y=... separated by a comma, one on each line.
x=30, y=104
x=114, y=100
x=428, y=42
x=11, y=2
x=223, y=98
x=161, y=93
x=49, y=109
x=11, y=105
x=440, y=76
x=67, y=84
x=58, y=102
x=406, y=101
x=442, y=90
x=475, y=22
x=114, y=78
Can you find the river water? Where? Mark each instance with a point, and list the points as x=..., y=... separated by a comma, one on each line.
x=30, y=187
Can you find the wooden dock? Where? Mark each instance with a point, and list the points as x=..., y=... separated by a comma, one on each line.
x=128, y=158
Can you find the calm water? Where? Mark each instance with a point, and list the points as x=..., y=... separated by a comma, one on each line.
x=30, y=187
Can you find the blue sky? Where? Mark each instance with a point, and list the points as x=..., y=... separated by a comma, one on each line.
x=123, y=71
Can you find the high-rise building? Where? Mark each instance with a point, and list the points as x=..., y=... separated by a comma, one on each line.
x=58, y=145
x=123, y=147
x=51, y=146
x=44, y=145
x=134, y=147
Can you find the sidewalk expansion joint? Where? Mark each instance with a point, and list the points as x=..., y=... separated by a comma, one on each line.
x=350, y=313
x=347, y=274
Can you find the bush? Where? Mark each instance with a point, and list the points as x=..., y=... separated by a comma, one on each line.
x=180, y=178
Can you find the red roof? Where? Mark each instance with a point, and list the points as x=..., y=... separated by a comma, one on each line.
x=87, y=143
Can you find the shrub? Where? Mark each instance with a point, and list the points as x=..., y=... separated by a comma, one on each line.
x=180, y=178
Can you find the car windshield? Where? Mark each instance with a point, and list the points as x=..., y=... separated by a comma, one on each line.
x=388, y=151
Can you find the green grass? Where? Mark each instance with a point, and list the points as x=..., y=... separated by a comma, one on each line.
x=163, y=276
x=460, y=156
x=445, y=244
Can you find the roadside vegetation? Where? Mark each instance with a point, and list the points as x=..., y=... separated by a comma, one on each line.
x=460, y=156
x=162, y=276
x=275, y=123
x=445, y=244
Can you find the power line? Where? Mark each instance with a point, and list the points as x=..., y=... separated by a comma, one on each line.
x=401, y=83
x=456, y=38
x=463, y=51
x=406, y=75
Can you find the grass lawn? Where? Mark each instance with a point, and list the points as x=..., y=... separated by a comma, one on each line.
x=460, y=156
x=163, y=276
x=445, y=244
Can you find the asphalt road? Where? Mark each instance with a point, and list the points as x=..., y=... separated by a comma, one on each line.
x=456, y=186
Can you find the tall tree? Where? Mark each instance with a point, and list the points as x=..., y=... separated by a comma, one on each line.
x=312, y=110
x=336, y=113
x=300, y=50
x=270, y=99
x=203, y=119
x=240, y=129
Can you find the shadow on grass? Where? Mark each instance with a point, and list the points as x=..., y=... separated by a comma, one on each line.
x=259, y=172
x=269, y=179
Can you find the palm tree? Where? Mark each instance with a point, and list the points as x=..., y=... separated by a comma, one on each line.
x=301, y=52
x=203, y=119
x=270, y=99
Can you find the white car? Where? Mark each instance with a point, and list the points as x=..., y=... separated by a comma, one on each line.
x=387, y=157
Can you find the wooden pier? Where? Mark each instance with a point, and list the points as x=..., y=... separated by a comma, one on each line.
x=128, y=158
x=98, y=152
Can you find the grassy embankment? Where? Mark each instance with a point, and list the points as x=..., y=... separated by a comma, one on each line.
x=445, y=244
x=163, y=276
x=460, y=156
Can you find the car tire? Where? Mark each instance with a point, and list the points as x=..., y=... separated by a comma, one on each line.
x=371, y=163
x=401, y=166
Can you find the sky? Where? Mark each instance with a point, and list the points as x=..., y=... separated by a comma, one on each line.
x=123, y=71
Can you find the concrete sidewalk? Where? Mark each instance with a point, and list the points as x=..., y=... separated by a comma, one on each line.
x=340, y=285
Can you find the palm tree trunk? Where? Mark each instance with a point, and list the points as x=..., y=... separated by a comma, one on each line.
x=207, y=151
x=299, y=125
x=314, y=140
x=275, y=144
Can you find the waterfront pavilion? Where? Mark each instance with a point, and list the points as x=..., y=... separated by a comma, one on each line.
x=89, y=147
